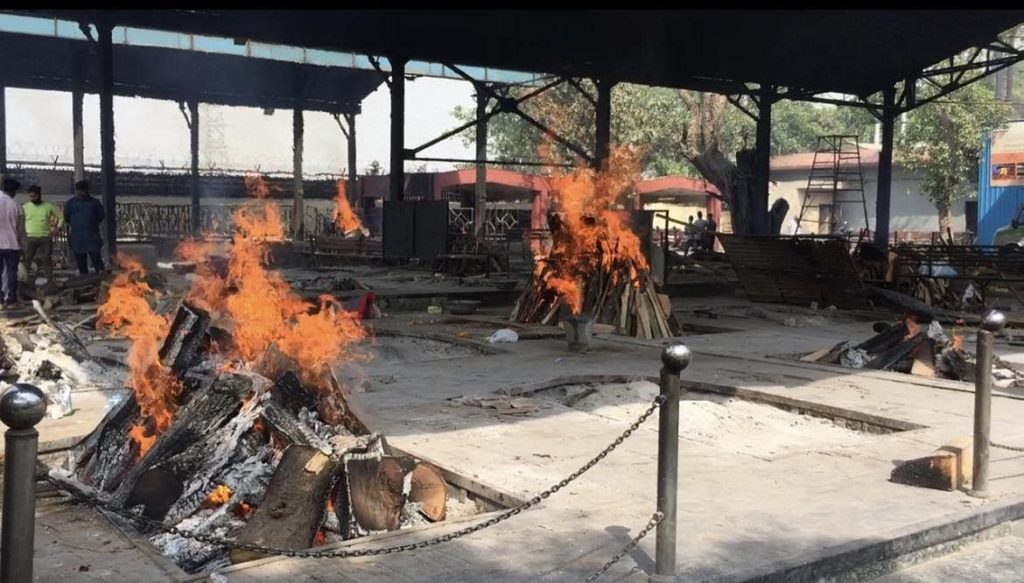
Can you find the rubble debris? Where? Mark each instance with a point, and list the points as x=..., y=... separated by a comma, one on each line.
x=503, y=404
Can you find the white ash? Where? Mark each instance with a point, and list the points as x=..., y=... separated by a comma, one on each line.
x=78, y=375
x=854, y=358
x=191, y=554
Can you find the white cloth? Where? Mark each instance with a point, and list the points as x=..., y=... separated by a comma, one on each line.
x=10, y=222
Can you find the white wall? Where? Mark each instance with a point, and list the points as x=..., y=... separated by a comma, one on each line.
x=910, y=210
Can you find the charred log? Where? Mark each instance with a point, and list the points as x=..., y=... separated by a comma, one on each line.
x=185, y=338
x=202, y=415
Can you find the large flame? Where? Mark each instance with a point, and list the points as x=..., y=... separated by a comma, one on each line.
x=260, y=308
x=344, y=217
x=593, y=235
x=128, y=313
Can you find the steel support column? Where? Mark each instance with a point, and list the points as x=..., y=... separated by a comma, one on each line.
x=352, y=191
x=603, y=131
x=884, y=192
x=397, y=129
x=193, y=135
x=3, y=130
x=298, y=209
x=480, y=208
x=107, y=173
x=78, y=133
x=762, y=160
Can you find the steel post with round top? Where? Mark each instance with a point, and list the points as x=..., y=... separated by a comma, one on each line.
x=675, y=358
x=993, y=322
x=21, y=408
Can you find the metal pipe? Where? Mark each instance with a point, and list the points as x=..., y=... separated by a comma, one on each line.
x=21, y=407
x=994, y=321
x=675, y=358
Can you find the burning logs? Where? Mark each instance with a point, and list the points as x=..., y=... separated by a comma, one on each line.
x=595, y=265
x=632, y=305
x=293, y=507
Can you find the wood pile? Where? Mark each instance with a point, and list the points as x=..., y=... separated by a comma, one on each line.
x=632, y=305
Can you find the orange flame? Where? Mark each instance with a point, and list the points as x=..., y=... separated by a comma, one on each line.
x=243, y=509
x=320, y=538
x=261, y=307
x=128, y=313
x=218, y=497
x=593, y=235
x=344, y=217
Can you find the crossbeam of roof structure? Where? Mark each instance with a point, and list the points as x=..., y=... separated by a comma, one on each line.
x=66, y=62
x=854, y=52
x=126, y=38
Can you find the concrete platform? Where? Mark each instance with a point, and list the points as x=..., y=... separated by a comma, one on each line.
x=812, y=512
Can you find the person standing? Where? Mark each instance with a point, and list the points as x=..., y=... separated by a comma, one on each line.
x=12, y=227
x=41, y=223
x=83, y=215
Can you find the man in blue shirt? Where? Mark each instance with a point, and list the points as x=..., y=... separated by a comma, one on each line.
x=83, y=215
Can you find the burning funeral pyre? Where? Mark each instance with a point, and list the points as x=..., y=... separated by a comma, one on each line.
x=595, y=266
x=236, y=425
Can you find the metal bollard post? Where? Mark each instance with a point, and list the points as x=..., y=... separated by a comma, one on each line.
x=21, y=407
x=994, y=321
x=675, y=358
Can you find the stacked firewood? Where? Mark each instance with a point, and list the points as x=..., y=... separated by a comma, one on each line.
x=625, y=297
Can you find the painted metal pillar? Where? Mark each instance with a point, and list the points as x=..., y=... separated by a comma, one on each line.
x=480, y=210
x=193, y=135
x=298, y=206
x=603, y=131
x=107, y=170
x=352, y=192
x=78, y=133
x=397, y=129
x=883, y=197
x=762, y=160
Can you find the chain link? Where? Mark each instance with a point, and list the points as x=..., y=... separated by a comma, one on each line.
x=341, y=554
x=656, y=519
x=1009, y=447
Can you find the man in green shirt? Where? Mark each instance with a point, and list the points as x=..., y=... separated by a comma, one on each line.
x=41, y=222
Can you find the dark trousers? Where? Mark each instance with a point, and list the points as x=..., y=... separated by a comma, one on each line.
x=40, y=250
x=97, y=261
x=9, y=269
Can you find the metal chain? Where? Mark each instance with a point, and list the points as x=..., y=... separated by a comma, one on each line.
x=341, y=554
x=1009, y=447
x=656, y=518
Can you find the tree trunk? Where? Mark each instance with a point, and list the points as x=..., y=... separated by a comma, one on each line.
x=945, y=218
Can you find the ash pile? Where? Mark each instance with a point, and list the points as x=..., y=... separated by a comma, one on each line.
x=248, y=454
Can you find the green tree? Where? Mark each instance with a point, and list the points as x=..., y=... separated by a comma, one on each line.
x=943, y=141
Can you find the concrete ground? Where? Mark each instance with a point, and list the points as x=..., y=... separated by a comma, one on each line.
x=747, y=510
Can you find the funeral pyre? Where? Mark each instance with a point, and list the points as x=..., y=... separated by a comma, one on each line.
x=595, y=265
x=236, y=425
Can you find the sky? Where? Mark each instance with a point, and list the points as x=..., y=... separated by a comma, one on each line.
x=150, y=132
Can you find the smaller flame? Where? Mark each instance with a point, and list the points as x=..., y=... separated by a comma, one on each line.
x=958, y=342
x=218, y=497
x=344, y=217
x=142, y=437
x=242, y=509
x=320, y=538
